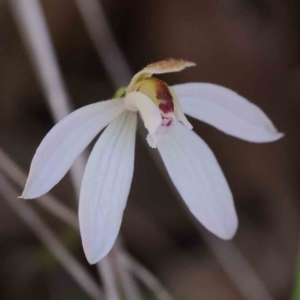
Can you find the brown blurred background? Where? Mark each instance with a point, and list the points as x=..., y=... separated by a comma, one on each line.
x=250, y=46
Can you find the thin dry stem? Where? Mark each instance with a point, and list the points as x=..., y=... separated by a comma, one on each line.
x=42, y=231
x=110, y=284
x=129, y=285
x=145, y=276
x=103, y=40
x=13, y=171
x=236, y=266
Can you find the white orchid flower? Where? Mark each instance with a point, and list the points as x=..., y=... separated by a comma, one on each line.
x=190, y=163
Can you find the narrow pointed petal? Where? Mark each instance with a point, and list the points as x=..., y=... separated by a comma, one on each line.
x=105, y=187
x=164, y=66
x=199, y=179
x=65, y=142
x=136, y=101
x=227, y=111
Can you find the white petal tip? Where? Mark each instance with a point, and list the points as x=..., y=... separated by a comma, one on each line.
x=25, y=196
x=191, y=64
x=92, y=260
x=227, y=232
x=225, y=235
x=277, y=136
x=273, y=137
x=92, y=256
x=280, y=135
x=95, y=257
x=96, y=250
x=224, y=227
x=228, y=235
x=29, y=194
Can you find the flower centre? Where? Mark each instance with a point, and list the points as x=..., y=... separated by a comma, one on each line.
x=158, y=106
x=158, y=92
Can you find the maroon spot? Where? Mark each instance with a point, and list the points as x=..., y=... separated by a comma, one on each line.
x=166, y=122
x=162, y=93
x=166, y=107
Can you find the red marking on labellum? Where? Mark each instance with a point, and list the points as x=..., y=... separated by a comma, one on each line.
x=155, y=88
x=163, y=93
x=167, y=122
x=166, y=107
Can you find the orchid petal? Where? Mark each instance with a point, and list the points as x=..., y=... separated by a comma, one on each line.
x=64, y=143
x=164, y=66
x=198, y=178
x=105, y=187
x=227, y=111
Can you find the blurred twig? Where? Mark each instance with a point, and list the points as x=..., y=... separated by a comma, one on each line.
x=13, y=171
x=109, y=280
x=236, y=267
x=54, y=206
x=30, y=217
x=145, y=276
x=30, y=18
x=129, y=285
x=104, y=41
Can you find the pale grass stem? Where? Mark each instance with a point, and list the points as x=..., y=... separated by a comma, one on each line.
x=50, y=203
x=102, y=37
x=42, y=231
